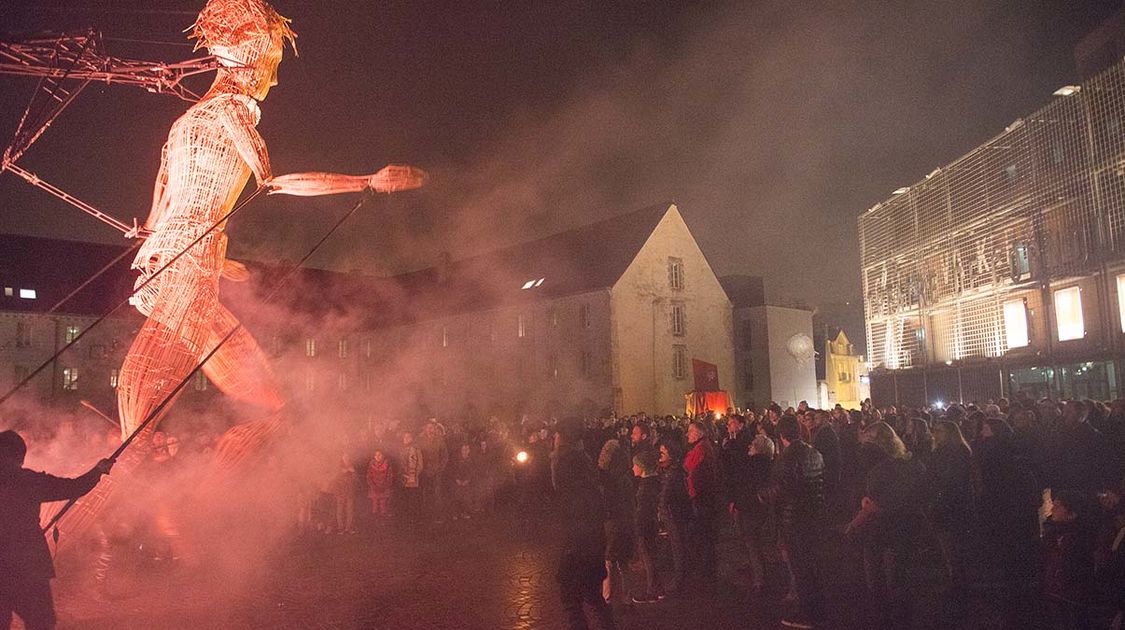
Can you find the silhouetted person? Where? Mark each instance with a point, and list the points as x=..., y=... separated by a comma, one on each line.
x=796, y=489
x=582, y=562
x=25, y=561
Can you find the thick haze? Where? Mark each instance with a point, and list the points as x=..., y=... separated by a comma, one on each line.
x=772, y=124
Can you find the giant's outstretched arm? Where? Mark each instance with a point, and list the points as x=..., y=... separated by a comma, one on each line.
x=391, y=178
x=240, y=120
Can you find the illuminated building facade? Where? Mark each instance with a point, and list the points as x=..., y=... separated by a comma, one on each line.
x=1004, y=271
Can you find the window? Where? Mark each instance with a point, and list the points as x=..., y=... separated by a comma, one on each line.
x=679, y=324
x=584, y=363
x=368, y=380
x=1121, y=300
x=552, y=366
x=584, y=315
x=521, y=326
x=310, y=347
x=342, y=381
x=367, y=348
x=844, y=377
x=70, y=378
x=679, y=362
x=114, y=377
x=23, y=334
x=676, y=273
x=199, y=381
x=27, y=294
x=445, y=336
x=1010, y=174
x=9, y=292
x=1068, y=314
x=1015, y=323
x=71, y=334
x=553, y=317
x=1021, y=262
x=342, y=348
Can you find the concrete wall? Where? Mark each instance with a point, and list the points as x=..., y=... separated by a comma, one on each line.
x=643, y=339
x=788, y=382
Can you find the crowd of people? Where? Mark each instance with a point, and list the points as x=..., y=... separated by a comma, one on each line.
x=1020, y=500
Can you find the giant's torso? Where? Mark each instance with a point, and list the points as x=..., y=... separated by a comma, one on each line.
x=205, y=173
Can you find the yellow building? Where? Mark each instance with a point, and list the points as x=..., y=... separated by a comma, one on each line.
x=844, y=374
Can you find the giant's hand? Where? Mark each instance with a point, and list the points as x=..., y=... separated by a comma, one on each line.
x=395, y=178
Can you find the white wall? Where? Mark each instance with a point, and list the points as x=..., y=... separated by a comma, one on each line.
x=641, y=310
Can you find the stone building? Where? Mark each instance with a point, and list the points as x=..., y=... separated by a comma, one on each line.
x=606, y=316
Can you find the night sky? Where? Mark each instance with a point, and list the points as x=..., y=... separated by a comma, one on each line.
x=773, y=125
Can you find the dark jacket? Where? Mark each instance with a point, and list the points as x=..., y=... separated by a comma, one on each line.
x=581, y=506
x=1068, y=567
x=796, y=487
x=644, y=510
x=673, y=501
x=827, y=443
x=897, y=486
x=950, y=482
x=24, y=554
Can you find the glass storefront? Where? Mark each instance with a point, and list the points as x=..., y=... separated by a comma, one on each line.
x=1095, y=380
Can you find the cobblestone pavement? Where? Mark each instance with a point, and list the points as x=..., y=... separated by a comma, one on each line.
x=492, y=573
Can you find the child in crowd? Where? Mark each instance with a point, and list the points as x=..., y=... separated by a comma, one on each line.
x=380, y=482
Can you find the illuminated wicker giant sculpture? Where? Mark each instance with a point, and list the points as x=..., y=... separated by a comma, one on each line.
x=211, y=152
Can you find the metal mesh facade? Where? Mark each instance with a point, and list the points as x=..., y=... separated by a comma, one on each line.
x=1042, y=201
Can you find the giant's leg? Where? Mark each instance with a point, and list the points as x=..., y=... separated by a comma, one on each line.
x=164, y=352
x=239, y=367
x=240, y=370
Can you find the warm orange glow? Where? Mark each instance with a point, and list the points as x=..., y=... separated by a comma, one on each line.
x=521, y=457
x=210, y=154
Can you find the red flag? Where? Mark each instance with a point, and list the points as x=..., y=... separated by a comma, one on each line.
x=706, y=376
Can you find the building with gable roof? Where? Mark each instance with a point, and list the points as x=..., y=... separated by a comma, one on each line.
x=607, y=316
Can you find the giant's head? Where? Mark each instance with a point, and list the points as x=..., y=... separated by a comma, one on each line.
x=248, y=37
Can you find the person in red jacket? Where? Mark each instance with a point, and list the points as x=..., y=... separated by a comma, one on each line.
x=25, y=561
x=380, y=482
x=702, y=467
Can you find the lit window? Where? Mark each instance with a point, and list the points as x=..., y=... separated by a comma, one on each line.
x=445, y=336
x=1068, y=314
x=367, y=348
x=521, y=326
x=114, y=375
x=70, y=378
x=1121, y=300
x=676, y=273
x=528, y=284
x=1015, y=323
x=584, y=316
x=679, y=325
x=539, y=282
x=310, y=347
x=199, y=382
x=71, y=334
x=342, y=348
x=27, y=294
x=8, y=292
x=679, y=362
